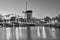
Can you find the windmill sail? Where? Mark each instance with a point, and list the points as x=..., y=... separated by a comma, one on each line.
x=26, y=5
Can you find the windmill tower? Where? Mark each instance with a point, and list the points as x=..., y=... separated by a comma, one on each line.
x=28, y=13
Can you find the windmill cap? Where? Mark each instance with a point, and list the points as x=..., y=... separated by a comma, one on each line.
x=28, y=11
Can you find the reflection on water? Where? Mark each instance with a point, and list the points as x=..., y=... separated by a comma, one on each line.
x=38, y=32
x=21, y=33
x=52, y=31
x=8, y=33
x=17, y=33
x=43, y=32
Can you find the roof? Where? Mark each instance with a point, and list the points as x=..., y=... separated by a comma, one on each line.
x=28, y=11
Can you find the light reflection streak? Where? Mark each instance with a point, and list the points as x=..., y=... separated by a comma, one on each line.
x=38, y=32
x=8, y=33
x=17, y=33
x=4, y=33
x=44, y=32
x=20, y=32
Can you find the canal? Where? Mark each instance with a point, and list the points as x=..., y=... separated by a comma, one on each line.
x=37, y=33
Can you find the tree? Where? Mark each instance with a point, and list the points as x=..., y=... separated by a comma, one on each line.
x=58, y=18
x=47, y=19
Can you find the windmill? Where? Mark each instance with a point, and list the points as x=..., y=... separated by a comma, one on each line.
x=28, y=16
x=28, y=13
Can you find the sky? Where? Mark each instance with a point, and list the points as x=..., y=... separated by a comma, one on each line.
x=40, y=8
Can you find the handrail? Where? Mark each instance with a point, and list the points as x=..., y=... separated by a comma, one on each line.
x=30, y=24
